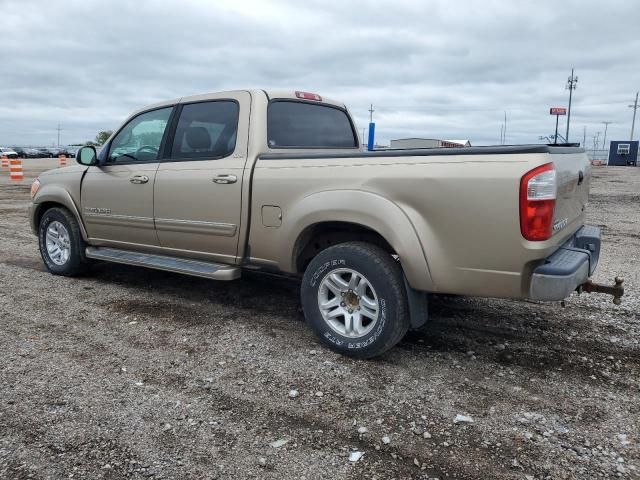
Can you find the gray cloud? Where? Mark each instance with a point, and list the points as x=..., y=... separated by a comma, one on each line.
x=431, y=68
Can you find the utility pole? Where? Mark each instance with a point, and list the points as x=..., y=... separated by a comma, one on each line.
x=635, y=109
x=572, y=83
x=504, y=132
x=604, y=140
x=584, y=136
x=501, y=130
x=59, y=134
x=596, y=141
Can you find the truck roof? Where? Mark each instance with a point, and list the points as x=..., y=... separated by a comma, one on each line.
x=271, y=94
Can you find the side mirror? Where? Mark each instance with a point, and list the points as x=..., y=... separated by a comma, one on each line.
x=87, y=156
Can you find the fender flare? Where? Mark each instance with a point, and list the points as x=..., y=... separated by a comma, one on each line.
x=370, y=210
x=55, y=194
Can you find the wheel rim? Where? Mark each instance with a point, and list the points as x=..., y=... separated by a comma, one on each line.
x=348, y=303
x=58, y=243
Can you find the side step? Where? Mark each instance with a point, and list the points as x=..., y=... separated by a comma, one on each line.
x=197, y=268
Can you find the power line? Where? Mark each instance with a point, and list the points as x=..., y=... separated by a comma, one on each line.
x=596, y=141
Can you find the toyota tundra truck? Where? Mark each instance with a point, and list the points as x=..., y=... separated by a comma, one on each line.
x=276, y=181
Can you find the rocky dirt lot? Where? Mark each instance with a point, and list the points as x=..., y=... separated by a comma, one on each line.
x=128, y=372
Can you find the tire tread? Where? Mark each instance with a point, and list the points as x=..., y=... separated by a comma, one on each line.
x=393, y=273
x=78, y=263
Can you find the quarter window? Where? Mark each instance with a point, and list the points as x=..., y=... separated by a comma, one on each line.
x=206, y=130
x=305, y=125
x=140, y=139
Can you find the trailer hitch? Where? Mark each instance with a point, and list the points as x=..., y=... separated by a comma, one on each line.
x=617, y=290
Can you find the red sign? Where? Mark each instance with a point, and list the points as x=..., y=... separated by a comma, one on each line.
x=557, y=111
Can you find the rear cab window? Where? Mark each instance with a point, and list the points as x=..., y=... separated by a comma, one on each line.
x=296, y=124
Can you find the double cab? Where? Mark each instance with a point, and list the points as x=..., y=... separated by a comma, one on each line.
x=277, y=181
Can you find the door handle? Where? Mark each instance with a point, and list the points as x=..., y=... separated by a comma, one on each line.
x=225, y=179
x=137, y=179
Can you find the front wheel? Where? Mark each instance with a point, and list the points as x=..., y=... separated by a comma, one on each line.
x=353, y=296
x=61, y=244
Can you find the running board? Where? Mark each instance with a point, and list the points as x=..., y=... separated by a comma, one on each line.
x=197, y=268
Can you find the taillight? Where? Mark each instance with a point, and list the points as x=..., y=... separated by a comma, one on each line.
x=538, y=191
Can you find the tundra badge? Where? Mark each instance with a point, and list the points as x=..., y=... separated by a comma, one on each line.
x=560, y=224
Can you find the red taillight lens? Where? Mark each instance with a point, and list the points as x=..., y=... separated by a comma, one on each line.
x=538, y=191
x=309, y=96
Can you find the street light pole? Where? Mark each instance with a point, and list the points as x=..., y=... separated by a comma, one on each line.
x=572, y=83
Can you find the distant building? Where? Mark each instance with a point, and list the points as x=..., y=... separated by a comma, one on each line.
x=464, y=143
x=409, y=143
x=623, y=153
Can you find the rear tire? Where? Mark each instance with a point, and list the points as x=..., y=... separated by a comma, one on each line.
x=354, y=298
x=61, y=244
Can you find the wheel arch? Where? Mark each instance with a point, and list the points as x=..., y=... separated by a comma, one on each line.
x=349, y=215
x=51, y=197
x=322, y=235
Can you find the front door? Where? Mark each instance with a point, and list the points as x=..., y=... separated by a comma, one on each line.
x=117, y=197
x=198, y=189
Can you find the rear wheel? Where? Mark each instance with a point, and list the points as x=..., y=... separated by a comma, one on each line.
x=61, y=245
x=354, y=298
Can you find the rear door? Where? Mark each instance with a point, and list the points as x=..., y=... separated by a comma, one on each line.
x=198, y=189
x=117, y=197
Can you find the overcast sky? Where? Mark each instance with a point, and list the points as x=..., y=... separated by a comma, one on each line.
x=436, y=69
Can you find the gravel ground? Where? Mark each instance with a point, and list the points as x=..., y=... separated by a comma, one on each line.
x=128, y=372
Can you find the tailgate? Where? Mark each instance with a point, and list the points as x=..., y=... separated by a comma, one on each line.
x=573, y=175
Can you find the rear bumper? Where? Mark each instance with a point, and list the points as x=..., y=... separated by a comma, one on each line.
x=568, y=267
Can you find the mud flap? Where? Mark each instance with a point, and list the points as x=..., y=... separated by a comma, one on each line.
x=418, y=305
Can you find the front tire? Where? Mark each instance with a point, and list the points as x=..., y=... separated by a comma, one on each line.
x=61, y=245
x=354, y=298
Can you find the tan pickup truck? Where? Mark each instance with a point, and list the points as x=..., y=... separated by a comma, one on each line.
x=276, y=181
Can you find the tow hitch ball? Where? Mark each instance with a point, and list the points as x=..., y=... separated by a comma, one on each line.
x=617, y=290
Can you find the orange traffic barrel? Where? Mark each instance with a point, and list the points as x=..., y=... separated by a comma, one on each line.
x=15, y=170
x=62, y=160
x=5, y=161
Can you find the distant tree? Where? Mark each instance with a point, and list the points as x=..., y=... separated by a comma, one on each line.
x=102, y=137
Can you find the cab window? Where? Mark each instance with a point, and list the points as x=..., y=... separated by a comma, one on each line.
x=292, y=124
x=140, y=139
x=206, y=130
